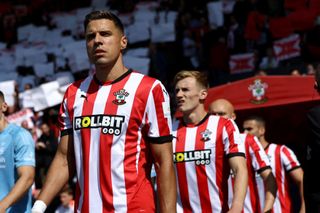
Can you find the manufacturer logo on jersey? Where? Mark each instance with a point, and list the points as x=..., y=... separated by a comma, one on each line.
x=258, y=90
x=206, y=135
x=200, y=157
x=120, y=97
x=109, y=124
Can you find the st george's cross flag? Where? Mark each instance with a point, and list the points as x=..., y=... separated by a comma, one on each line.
x=288, y=47
x=241, y=63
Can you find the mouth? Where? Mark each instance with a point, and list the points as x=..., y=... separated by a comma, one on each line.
x=99, y=52
x=180, y=103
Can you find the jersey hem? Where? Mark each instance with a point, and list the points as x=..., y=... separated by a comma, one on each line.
x=296, y=167
x=66, y=132
x=236, y=154
x=263, y=169
x=161, y=140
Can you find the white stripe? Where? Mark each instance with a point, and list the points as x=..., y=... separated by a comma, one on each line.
x=211, y=168
x=190, y=170
x=95, y=200
x=78, y=105
x=118, y=147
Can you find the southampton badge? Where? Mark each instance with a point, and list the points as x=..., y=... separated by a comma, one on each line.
x=258, y=90
x=120, y=97
x=206, y=134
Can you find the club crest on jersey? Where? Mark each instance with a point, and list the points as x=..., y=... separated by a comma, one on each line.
x=200, y=157
x=120, y=97
x=206, y=135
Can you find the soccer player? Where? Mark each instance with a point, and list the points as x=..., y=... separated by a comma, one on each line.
x=205, y=148
x=257, y=163
x=311, y=176
x=114, y=125
x=284, y=163
x=17, y=162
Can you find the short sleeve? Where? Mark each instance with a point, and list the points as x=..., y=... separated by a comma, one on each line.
x=289, y=159
x=233, y=144
x=159, y=115
x=259, y=158
x=24, y=150
x=64, y=118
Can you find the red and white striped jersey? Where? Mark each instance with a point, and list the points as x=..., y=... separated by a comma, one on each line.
x=257, y=161
x=112, y=124
x=201, y=155
x=282, y=161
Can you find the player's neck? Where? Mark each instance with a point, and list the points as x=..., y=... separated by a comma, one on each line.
x=104, y=74
x=263, y=142
x=110, y=72
x=3, y=123
x=194, y=117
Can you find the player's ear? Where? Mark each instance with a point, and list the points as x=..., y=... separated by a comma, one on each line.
x=124, y=42
x=4, y=107
x=203, y=94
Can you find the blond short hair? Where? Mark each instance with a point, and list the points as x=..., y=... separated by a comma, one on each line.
x=200, y=77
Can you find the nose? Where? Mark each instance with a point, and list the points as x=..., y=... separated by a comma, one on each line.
x=178, y=93
x=98, y=39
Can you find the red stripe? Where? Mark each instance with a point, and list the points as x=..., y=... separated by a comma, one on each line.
x=253, y=191
x=222, y=168
x=233, y=147
x=255, y=147
x=86, y=135
x=202, y=179
x=286, y=152
x=130, y=171
x=105, y=151
x=287, y=205
x=181, y=170
x=278, y=174
x=77, y=197
x=157, y=93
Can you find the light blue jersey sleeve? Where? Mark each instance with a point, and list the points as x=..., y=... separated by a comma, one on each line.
x=24, y=149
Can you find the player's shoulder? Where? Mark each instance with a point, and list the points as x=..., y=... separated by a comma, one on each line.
x=18, y=131
x=147, y=79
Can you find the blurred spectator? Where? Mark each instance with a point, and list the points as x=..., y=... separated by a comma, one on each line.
x=269, y=61
x=46, y=147
x=295, y=72
x=311, y=69
x=67, y=201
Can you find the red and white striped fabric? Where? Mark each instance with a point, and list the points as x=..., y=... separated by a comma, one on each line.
x=201, y=155
x=282, y=161
x=112, y=124
x=288, y=47
x=241, y=63
x=257, y=161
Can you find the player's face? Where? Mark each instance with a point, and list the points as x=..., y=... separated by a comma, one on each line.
x=3, y=107
x=104, y=42
x=188, y=95
x=220, y=110
x=251, y=127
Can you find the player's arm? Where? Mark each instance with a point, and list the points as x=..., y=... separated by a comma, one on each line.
x=297, y=177
x=23, y=184
x=270, y=189
x=166, y=179
x=239, y=169
x=61, y=169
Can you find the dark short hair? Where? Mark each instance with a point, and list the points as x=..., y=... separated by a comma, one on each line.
x=1, y=96
x=256, y=118
x=103, y=14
